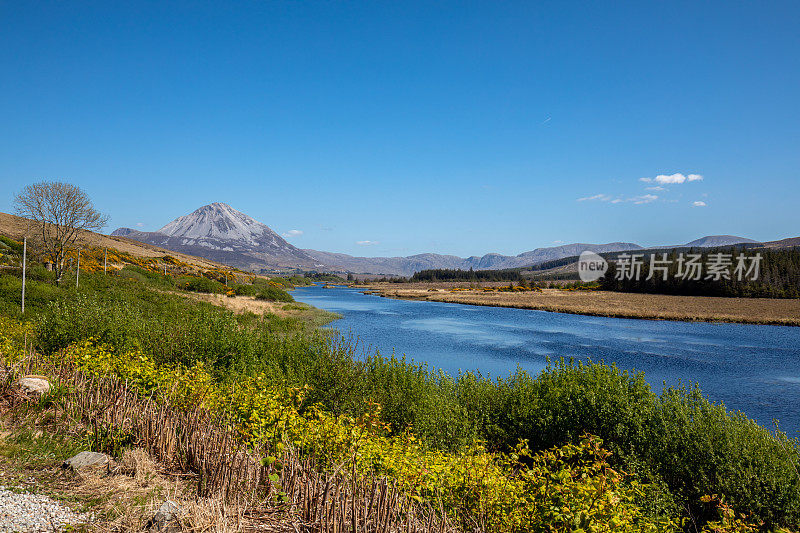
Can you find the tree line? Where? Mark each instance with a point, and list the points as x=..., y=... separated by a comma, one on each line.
x=778, y=273
x=452, y=274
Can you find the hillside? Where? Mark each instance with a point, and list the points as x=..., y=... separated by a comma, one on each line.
x=791, y=242
x=15, y=227
x=711, y=241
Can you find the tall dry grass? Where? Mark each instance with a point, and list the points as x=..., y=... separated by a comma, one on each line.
x=232, y=481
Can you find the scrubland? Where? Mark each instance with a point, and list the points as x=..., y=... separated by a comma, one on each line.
x=272, y=416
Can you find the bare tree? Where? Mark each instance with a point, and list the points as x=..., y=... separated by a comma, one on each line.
x=58, y=212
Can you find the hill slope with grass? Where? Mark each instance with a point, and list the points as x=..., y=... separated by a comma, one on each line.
x=17, y=227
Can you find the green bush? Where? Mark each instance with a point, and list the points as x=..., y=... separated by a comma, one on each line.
x=37, y=295
x=202, y=285
x=678, y=440
x=11, y=244
x=157, y=279
x=274, y=294
x=39, y=273
x=245, y=290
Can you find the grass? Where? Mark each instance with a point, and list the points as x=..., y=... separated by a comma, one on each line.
x=39, y=449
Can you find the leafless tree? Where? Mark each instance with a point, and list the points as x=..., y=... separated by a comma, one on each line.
x=58, y=213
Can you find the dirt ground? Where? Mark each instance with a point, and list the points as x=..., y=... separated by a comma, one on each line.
x=612, y=304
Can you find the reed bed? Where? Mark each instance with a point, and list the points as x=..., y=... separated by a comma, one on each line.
x=206, y=448
x=617, y=304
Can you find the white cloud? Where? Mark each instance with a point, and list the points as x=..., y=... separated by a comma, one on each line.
x=599, y=197
x=672, y=179
x=656, y=188
x=367, y=243
x=644, y=199
x=293, y=233
x=698, y=204
x=140, y=224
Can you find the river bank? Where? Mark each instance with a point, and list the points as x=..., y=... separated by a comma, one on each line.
x=785, y=312
x=248, y=304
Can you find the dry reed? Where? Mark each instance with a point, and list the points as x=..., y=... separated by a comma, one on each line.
x=228, y=475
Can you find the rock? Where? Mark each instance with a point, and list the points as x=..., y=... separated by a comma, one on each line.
x=85, y=459
x=165, y=518
x=35, y=386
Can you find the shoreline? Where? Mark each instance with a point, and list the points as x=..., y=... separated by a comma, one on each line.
x=757, y=311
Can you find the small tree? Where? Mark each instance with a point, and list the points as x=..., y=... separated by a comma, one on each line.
x=58, y=212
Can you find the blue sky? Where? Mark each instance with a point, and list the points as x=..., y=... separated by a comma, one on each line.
x=407, y=127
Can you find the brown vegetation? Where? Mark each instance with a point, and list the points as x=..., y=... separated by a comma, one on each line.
x=250, y=304
x=612, y=304
x=222, y=484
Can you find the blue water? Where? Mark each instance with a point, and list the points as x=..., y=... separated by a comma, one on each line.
x=752, y=368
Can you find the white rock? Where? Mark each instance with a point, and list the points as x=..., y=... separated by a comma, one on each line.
x=85, y=459
x=34, y=385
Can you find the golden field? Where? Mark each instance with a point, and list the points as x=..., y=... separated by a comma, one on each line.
x=605, y=303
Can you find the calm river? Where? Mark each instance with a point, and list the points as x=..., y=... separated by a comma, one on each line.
x=751, y=368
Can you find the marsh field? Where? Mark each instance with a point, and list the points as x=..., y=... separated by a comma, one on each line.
x=606, y=303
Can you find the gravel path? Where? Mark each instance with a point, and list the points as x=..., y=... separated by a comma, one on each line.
x=35, y=513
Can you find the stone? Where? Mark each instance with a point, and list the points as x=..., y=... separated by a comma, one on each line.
x=34, y=385
x=86, y=459
x=165, y=518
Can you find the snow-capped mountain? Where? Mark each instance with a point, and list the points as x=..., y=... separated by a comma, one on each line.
x=221, y=233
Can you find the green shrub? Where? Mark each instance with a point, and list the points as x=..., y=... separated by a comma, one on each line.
x=11, y=244
x=202, y=285
x=274, y=294
x=147, y=276
x=39, y=273
x=679, y=439
x=245, y=290
x=37, y=295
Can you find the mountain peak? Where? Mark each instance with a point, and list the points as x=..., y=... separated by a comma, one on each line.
x=221, y=233
x=217, y=221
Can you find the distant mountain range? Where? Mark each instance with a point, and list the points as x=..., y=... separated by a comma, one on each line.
x=405, y=266
x=220, y=233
